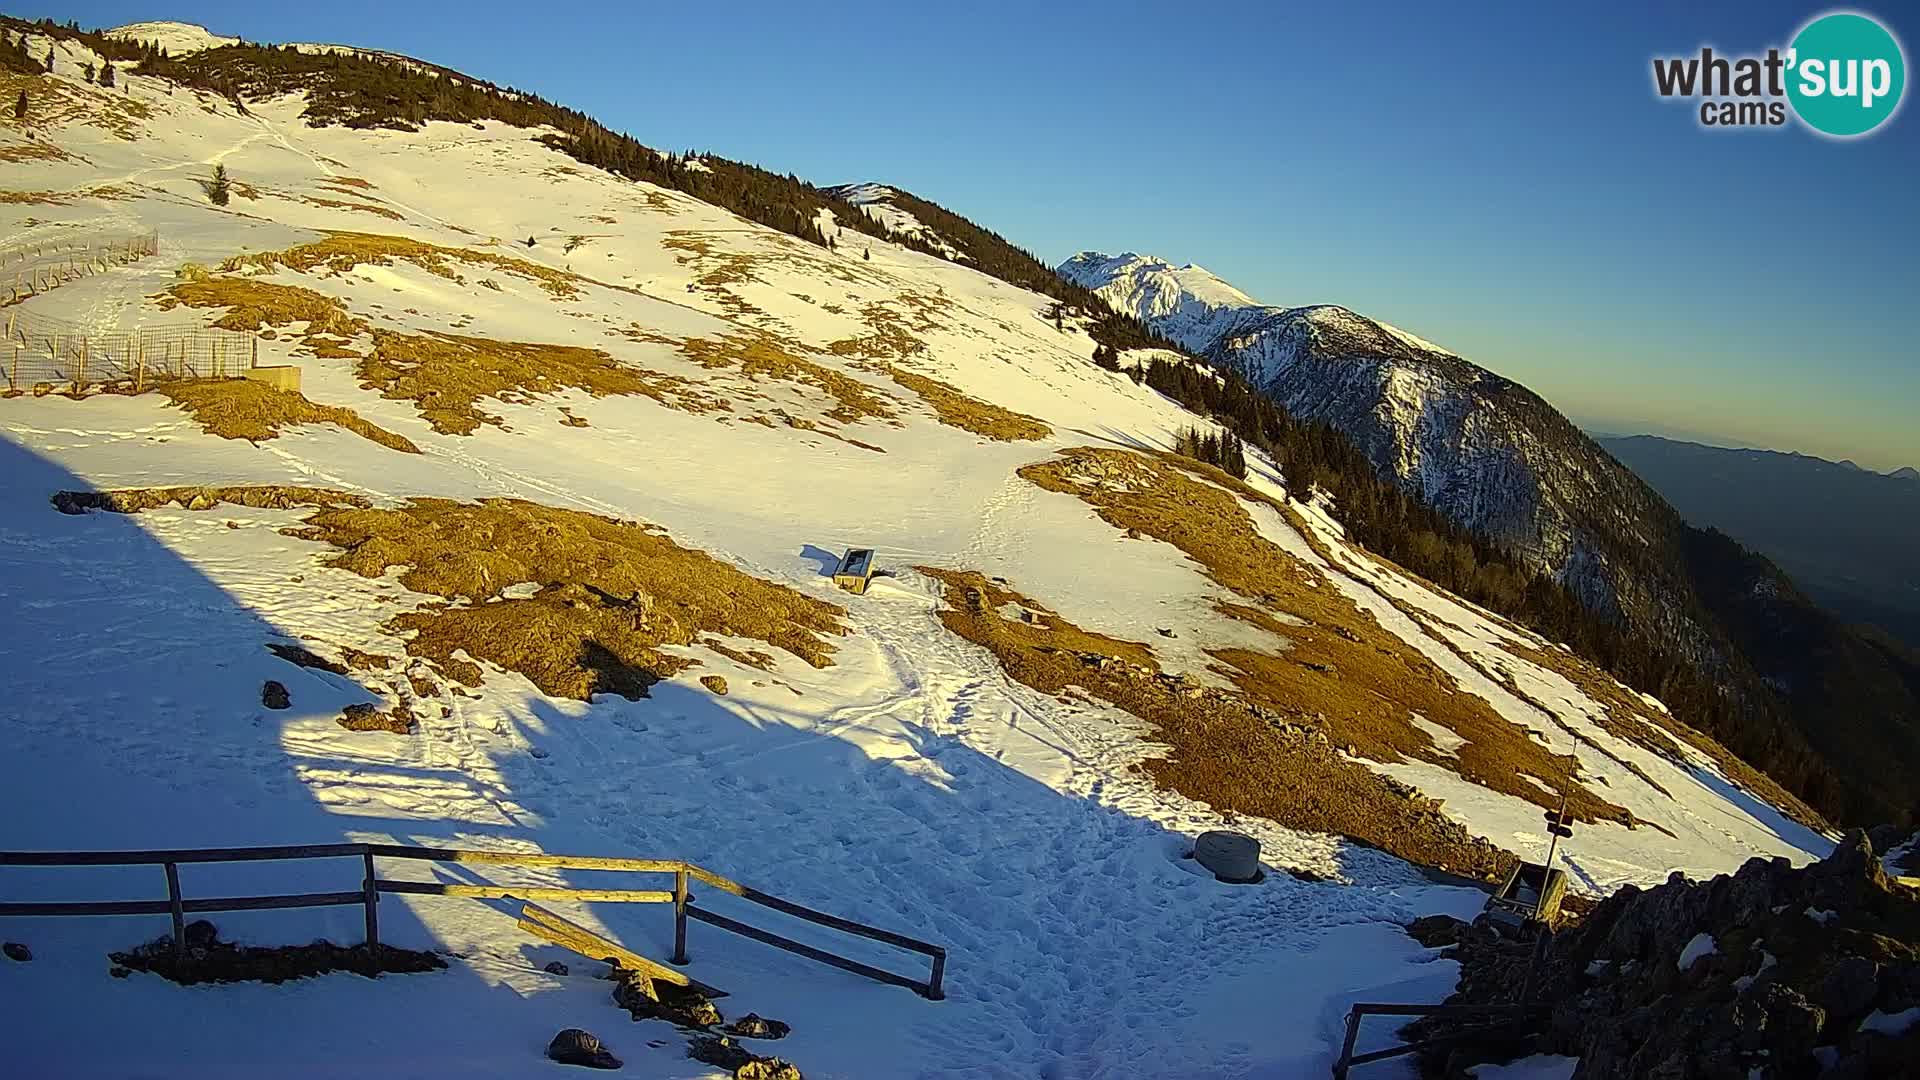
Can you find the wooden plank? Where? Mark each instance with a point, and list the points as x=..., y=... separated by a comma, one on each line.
x=518, y=858
x=808, y=951
x=526, y=892
x=180, y=855
x=567, y=934
x=900, y=941
x=165, y=907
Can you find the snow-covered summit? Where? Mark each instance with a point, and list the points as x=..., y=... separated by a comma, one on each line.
x=177, y=38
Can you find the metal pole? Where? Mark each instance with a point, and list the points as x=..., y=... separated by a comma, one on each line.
x=1346, y=1049
x=372, y=898
x=680, y=915
x=179, y=914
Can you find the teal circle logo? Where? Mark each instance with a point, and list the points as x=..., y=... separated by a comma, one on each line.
x=1846, y=74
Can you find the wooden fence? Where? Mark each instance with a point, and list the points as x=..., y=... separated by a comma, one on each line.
x=30, y=269
x=367, y=895
x=46, y=354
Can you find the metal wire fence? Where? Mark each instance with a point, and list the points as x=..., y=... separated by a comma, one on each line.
x=43, y=355
x=29, y=269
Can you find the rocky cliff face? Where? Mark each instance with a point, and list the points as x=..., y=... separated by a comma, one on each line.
x=1770, y=972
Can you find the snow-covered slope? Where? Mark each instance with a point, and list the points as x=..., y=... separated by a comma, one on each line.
x=876, y=201
x=648, y=357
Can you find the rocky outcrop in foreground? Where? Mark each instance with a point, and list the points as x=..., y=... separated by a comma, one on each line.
x=1767, y=973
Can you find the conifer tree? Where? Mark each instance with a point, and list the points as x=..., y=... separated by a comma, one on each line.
x=219, y=187
x=49, y=58
x=106, y=74
x=20, y=106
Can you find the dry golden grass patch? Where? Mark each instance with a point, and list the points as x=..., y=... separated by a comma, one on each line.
x=612, y=593
x=342, y=251
x=204, y=497
x=19, y=153
x=245, y=409
x=1220, y=749
x=53, y=103
x=255, y=304
x=1364, y=680
x=959, y=410
x=1625, y=715
x=893, y=333
x=447, y=375
x=37, y=198
x=759, y=355
x=343, y=204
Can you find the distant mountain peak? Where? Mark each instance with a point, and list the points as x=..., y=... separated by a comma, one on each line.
x=1905, y=472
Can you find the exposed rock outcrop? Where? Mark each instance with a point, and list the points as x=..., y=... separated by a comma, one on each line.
x=1811, y=972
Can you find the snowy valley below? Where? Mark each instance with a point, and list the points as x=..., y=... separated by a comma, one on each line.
x=577, y=458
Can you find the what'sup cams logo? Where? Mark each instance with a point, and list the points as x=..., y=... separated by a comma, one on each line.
x=1843, y=76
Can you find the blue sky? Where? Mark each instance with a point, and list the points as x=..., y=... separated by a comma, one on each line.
x=1502, y=182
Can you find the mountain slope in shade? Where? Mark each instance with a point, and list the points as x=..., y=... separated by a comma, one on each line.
x=1495, y=457
x=1486, y=451
x=1849, y=536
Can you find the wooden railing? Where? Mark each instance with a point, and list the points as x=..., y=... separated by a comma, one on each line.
x=372, y=885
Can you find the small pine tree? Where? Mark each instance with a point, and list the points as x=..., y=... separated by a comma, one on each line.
x=869, y=255
x=88, y=71
x=220, y=187
x=1106, y=358
x=20, y=106
x=106, y=74
x=49, y=59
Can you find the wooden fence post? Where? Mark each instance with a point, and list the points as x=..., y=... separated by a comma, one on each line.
x=179, y=914
x=680, y=915
x=935, y=992
x=373, y=914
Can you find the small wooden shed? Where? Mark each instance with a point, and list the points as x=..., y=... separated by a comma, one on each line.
x=856, y=570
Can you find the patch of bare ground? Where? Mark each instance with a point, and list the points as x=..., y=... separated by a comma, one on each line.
x=396, y=719
x=748, y=657
x=1342, y=670
x=350, y=182
x=340, y=252
x=254, y=305
x=758, y=355
x=245, y=409
x=612, y=593
x=348, y=204
x=893, y=333
x=447, y=375
x=259, y=497
x=54, y=103
x=20, y=153
x=968, y=413
x=1223, y=749
x=301, y=656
